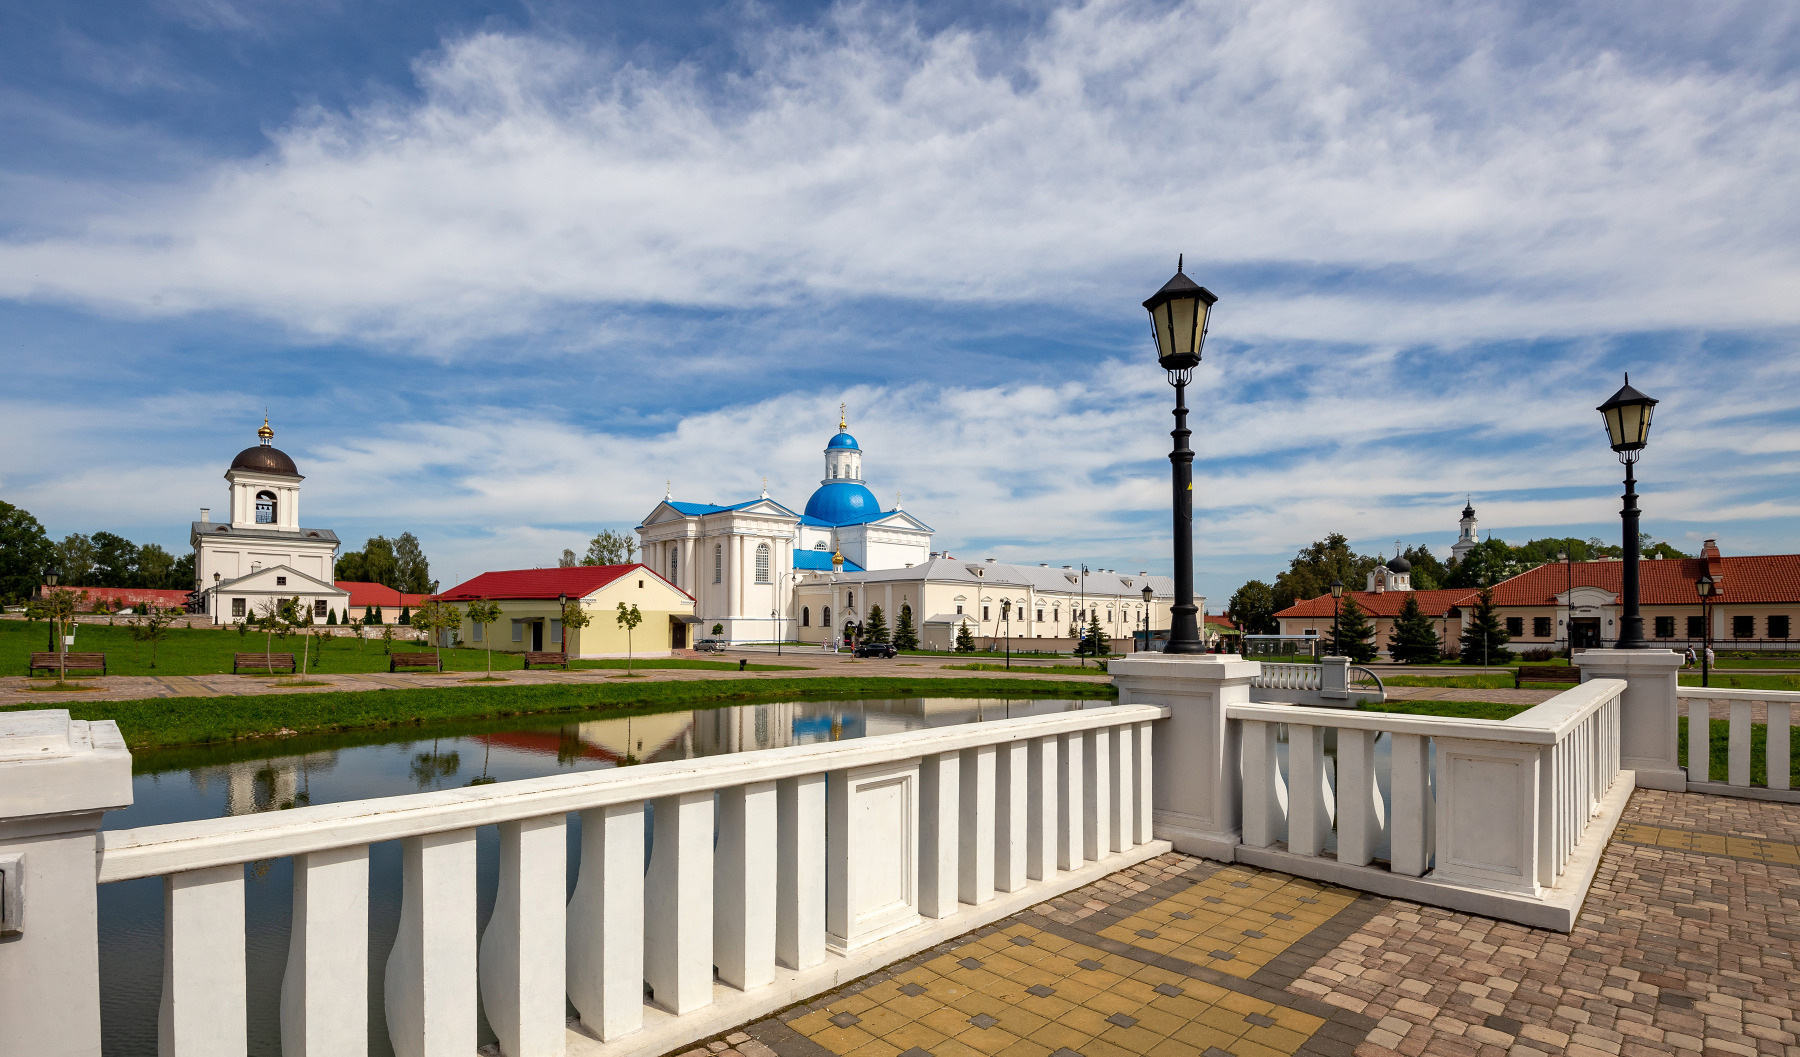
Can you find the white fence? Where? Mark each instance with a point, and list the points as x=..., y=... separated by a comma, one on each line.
x=1775, y=781
x=826, y=857
x=1288, y=677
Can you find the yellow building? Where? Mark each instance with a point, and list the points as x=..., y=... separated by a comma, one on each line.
x=531, y=611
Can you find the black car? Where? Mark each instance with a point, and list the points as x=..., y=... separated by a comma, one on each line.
x=876, y=649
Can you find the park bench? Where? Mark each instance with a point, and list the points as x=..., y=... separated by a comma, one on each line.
x=266, y=662
x=545, y=657
x=1546, y=674
x=413, y=660
x=85, y=662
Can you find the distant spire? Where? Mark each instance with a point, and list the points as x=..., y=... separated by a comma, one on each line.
x=843, y=422
x=265, y=432
x=896, y=500
x=765, y=491
x=669, y=489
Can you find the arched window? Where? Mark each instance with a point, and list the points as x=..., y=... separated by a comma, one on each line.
x=850, y=600
x=820, y=546
x=806, y=616
x=1109, y=617
x=718, y=562
x=825, y=620
x=265, y=508
x=762, y=563
x=675, y=567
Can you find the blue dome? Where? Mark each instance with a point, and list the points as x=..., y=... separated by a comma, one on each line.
x=841, y=502
x=843, y=440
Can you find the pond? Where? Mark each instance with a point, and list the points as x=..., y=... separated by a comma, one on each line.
x=179, y=786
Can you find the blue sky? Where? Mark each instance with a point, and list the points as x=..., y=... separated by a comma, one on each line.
x=500, y=270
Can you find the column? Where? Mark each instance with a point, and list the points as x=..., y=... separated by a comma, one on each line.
x=1648, y=713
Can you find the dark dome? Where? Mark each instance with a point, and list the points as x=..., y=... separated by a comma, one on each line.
x=265, y=459
x=1397, y=564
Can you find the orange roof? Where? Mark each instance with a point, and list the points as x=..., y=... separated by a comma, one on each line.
x=1384, y=604
x=367, y=594
x=1662, y=581
x=575, y=581
x=1219, y=620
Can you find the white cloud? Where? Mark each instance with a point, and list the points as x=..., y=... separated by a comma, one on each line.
x=1466, y=194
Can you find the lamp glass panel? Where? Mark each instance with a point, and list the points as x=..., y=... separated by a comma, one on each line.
x=1182, y=328
x=1159, y=321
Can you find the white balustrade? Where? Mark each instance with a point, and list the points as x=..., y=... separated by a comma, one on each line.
x=1287, y=677
x=826, y=856
x=1776, y=780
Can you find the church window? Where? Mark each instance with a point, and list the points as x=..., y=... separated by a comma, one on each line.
x=762, y=563
x=825, y=621
x=984, y=613
x=820, y=546
x=265, y=508
x=281, y=581
x=320, y=609
x=1109, y=617
x=237, y=607
x=718, y=562
x=850, y=602
x=806, y=616
x=1040, y=615
x=675, y=567
x=959, y=608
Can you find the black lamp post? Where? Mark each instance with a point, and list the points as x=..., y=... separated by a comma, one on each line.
x=1568, y=603
x=1708, y=589
x=1178, y=316
x=1006, y=618
x=1337, y=606
x=562, y=600
x=51, y=575
x=1627, y=417
x=1148, y=595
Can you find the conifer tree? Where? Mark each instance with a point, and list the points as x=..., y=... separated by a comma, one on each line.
x=405, y=615
x=1484, y=638
x=965, y=642
x=331, y=618
x=1093, y=642
x=1413, y=640
x=875, y=628
x=1354, y=635
x=906, y=637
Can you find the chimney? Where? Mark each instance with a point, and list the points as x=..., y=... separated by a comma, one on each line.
x=990, y=559
x=205, y=515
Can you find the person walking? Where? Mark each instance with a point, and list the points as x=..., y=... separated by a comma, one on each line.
x=1712, y=660
x=1688, y=662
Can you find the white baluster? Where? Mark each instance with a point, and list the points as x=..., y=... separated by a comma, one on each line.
x=1096, y=815
x=1121, y=823
x=1778, y=751
x=800, y=871
x=1012, y=774
x=606, y=921
x=940, y=837
x=1738, y=762
x=975, y=827
x=678, y=903
x=1699, y=766
x=744, y=869
x=325, y=991
x=1359, y=800
x=1041, y=807
x=1412, y=829
x=430, y=978
x=1308, y=821
x=203, y=964
x=524, y=969
x=1262, y=814
x=1142, y=801
x=1070, y=798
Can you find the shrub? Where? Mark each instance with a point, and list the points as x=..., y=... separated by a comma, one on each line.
x=1542, y=653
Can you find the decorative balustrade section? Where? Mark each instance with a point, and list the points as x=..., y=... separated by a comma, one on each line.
x=828, y=861
x=1732, y=761
x=1287, y=677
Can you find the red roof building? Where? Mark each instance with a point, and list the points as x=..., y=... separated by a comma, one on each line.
x=576, y=581
x=532, y=617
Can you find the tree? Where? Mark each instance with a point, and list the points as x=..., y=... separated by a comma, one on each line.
x=1093, y=641
x=1427, y=572
x=906, y=637
x=405, y=616
x=412, y=572
x=1484, y=638
x=965, y=642
x=59, y=606
x=875, y=628
x=1311, y=571
x=374, y=564
x=115, y=561
x=181, y=576
x=152, y=625
x=1252, y=608
x=331, y=618
x=156, y=569
x=483, y=612
x=434, y=618
x=574, y=617
x=75, y=554
x=271, y=614
x=1413, y=640
x=24, y=553
x=628, y=619
x=1486, y=564
x=1354, y=635
x=568, y=559
x=610, y=548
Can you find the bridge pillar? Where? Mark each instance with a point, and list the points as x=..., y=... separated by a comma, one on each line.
x=1648, y=711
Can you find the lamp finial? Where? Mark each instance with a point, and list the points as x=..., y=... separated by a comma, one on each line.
x=1180, y=259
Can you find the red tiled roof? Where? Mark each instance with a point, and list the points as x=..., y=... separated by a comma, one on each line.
x=1383, y=604
x=1219, y=620
x=1662, y=581
x=576, y=581
x=365, y=595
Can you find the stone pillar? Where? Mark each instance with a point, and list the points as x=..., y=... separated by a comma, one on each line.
x=57, y=778
x=1334, y=677
x=1647, y=711
x=1196, y=784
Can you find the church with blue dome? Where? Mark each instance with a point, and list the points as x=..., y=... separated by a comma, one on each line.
x=741, y=561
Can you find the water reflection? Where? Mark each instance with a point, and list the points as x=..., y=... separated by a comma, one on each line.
x=367, y=766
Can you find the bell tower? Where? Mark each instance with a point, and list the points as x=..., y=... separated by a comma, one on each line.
x=1465, y=542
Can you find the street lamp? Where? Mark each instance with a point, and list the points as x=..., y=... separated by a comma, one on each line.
x=1708, y=589
x=1568, y=603
x=1337, y=606
x=1627, y=417
x=1006, y=618
x=562, y=602
x=51, y=575
x=1148, y=594
x=777, y=627
x=1179, y=313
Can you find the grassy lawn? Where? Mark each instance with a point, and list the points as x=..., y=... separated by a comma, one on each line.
x=1753, y=662
x=206, y=651
x=1718, y=762
x=1456, y=709
x=195, y=720
x=1032, y=666
x=1721, y=681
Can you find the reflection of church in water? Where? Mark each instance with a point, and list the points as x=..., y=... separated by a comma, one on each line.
x=265, y=785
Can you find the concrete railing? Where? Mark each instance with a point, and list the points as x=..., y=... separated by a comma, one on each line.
x=1698, y=704
x=1287, y=677
x=830, y=860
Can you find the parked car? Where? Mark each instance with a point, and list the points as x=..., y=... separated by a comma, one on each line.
x=709, y=645
x=877, y=649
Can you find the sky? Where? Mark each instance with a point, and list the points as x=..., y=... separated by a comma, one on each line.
x=502, y=272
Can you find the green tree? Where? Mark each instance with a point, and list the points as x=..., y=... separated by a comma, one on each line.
x=75, y=555
x=875, y=628
x=1252, y=608
x=628, y=619
x=1427, y=572
x=181, y=577
x=405, y=616
x=1311, y=571
x=25, y=552
x=1093, y=640
x=1354, y=636
x=1486, y=564
x=965, y=641
x=610, y=548
x=906, y=637
x=575, y=617
x=434, y=618
x=331, y=618
x=1413, y=639
x=374, y=564
x=412, y=572
x=156, y=569
x=58, y=606
x=1484, y=639
x=482, y=613
x=115, y=561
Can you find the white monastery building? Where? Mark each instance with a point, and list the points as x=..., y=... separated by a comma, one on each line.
x=759, y=570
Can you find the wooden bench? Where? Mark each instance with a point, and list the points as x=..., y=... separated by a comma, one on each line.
x=1546, y=674
x=413, y=660
x=545, y=657
x=267, y=662
x=84, y=662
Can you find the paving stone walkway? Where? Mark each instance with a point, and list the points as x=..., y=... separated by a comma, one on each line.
x=1686, y=945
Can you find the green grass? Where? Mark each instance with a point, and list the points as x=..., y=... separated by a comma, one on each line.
x=1456, y=709
x=1718, y=763
x=978, y=653
x=167, y=721
x=1735, y=681
x=208, y=651
x=1031, y=666
x=1753, y=662
x=1463, y=682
